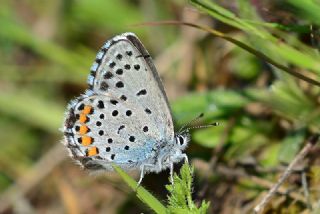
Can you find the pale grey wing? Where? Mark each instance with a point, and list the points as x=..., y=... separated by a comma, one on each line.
x=130, y=118
x=124, y=69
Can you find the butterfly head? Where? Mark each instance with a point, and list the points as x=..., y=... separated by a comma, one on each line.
x=182, y=139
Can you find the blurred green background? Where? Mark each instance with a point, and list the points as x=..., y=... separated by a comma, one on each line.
x=266, y=115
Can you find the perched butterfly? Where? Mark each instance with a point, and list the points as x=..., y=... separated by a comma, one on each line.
x=124, y=117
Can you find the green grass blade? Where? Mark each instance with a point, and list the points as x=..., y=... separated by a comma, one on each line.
x=287, y=52
x=32, y=109
x=142, y=193
x=308, y=9
x=258, y=53
x=229, y=18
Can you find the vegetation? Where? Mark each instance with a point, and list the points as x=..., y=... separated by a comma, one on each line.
x=252, y=66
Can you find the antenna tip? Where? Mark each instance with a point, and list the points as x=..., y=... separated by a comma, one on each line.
x=215, y=124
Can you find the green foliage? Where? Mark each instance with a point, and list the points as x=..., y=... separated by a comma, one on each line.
x=245, y=65
x=215, y=104
x=180, y=198
x=141, y=192
x=86, y=12
x=308, y=9
x=180, y=193
x=290, y=146
x=267, y=42
x=31, y=109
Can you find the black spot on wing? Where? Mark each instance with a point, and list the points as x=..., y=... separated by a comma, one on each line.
x=120, y=128
x=127, y=67
x=137, y=67
x=119, y=71
x=142, y=92
x=119, y=84
x=100, y=104
x=108, y=75
x=129, y=53
x=132, y=138
x=123, y=97
x=113, y=102
x=115, y=113
x=119, y=56
x=112, y=64
x=148, y=111
x=104, y=86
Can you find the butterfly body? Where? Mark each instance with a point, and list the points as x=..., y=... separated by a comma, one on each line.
x=124, y=117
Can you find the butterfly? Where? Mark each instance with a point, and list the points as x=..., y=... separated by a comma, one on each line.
x=124, y=117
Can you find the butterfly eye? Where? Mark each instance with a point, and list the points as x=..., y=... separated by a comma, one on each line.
x=180, y=140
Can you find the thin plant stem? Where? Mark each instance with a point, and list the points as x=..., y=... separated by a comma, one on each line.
x=265, y=200
x=239, y=44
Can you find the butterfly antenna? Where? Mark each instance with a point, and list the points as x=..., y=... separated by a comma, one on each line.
x=190, y=122
x=204, y=126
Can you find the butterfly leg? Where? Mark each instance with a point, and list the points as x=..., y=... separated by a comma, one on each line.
x=186, y=160
x=141, y=175
x=142, y=172
x=160, y=162
x=185, y=157
x=171, y=172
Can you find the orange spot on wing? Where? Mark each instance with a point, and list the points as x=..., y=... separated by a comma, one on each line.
x=83, y=118
x=87, y=110
x=92, y=151
x=86, y=140
x=83, y=130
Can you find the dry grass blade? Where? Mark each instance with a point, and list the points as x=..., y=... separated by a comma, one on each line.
x=39, y=171
x=311, y=142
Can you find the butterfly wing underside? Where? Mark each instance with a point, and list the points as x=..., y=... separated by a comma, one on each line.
x=124, y=117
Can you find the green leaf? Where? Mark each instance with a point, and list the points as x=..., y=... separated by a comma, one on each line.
x=309, y=9
x=270, y=155
x=246, y=137
x=288, y=100
x=290, y=146
x=214, y=104
x=244, y=64
x=180, y=198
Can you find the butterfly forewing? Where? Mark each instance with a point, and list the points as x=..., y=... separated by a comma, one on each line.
x=125, y=116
